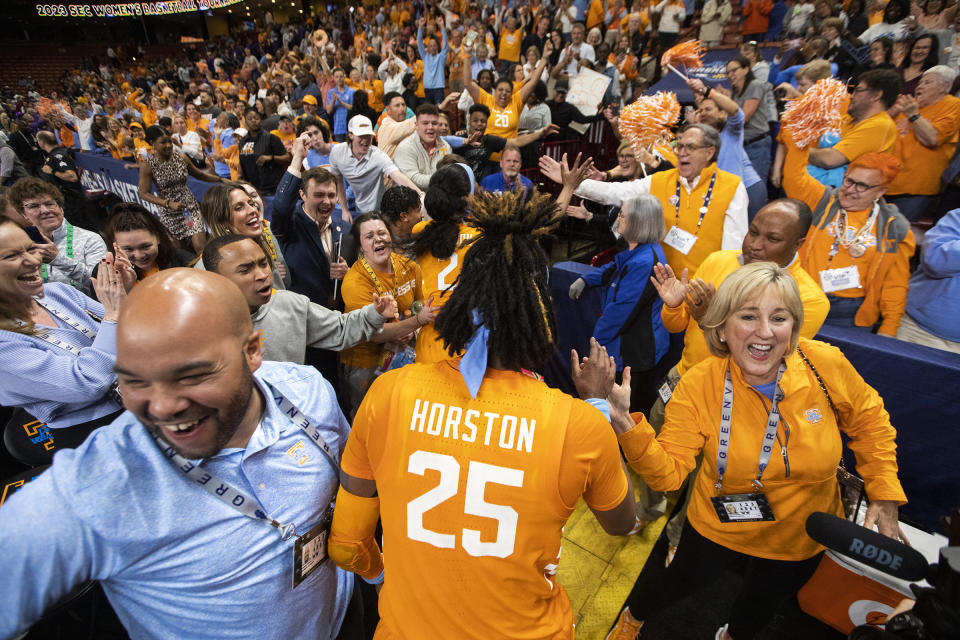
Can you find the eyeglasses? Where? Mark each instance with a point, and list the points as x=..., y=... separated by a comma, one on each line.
x=729, y=71
x=859, y=187
x=681, y=146
x=35, y=206
x=862, y=89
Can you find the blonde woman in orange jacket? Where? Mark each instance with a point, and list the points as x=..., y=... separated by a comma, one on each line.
x=750, y=502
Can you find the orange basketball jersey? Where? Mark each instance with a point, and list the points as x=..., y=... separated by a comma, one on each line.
x=437, y=278
x=473, y=497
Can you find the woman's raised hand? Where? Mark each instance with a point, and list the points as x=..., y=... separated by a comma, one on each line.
x=672, y=291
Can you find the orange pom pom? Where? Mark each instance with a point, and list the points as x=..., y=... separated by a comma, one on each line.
x=686, y=53
x=816, y=112
x=46, y=106
x=650, y=119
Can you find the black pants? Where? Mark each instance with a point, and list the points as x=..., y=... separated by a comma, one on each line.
x=766, y=583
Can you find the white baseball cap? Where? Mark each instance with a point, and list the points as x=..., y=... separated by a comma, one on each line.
x=360, y=126
x=240, y=132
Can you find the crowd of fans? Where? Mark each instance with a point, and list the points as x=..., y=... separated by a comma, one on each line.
x=374, y=199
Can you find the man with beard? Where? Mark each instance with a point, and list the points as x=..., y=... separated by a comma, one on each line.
x=288, y=322
x=508, y=178
x=189, y=508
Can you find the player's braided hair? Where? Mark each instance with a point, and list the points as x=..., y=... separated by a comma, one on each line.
x=504, y=278
x=445, y=202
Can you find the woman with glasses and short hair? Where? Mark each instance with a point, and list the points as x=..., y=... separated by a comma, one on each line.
x=859, y=245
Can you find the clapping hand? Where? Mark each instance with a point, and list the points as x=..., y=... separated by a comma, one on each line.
x=123, y=265
x=573, y=176
x=578, y=211
x=386, y=306
x=594, y=375
x=699, y=295
x=108, y=285
x=550, y=168
x=672, y=291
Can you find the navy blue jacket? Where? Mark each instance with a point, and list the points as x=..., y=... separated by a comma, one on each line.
x=630, y=326
x=299, y=240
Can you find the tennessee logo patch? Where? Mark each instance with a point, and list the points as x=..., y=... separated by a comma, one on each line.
x=813, y=415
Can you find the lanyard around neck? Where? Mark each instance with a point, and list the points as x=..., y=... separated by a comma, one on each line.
x=703, y=208
x=43, y=267
x=230, y=495
x=726, y=415
x=376, y=281
x=70, y=322
x=855, y=245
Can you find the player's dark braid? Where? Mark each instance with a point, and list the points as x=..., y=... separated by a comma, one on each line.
x=445, y=203
x=504, y=277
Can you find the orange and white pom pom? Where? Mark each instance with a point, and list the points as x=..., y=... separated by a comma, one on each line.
x=46, y=106
x=650, y=119
x=688, y=54
x=816, y=112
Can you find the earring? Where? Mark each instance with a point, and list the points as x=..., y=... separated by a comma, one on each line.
x=721, y=339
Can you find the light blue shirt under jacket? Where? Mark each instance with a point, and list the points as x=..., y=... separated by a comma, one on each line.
x=173, y=560
x=731, y=156
x=933, y=300
x=52, y=384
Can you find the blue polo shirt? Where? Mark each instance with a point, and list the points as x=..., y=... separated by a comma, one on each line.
x=495, y=183
x=173, y=560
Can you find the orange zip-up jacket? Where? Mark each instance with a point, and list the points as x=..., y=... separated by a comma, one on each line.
x=814, y=447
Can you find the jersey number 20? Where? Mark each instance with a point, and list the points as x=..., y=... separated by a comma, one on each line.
x=478, y=475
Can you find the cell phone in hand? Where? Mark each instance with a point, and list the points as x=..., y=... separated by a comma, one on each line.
x=35, y=235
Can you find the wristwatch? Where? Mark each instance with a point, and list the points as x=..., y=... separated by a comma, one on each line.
x=914, y=117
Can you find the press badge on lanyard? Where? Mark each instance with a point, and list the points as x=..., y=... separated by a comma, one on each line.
x=839, y=279
x=309, y=549
x=680, y=240
x=745, y=507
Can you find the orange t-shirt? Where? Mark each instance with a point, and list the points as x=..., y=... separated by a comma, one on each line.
x=502, y=122
x=437, y=278
x=922, y=166
x=286, y=138
x=474, y=494
x=510, y=42
x=876, y=133
x=358, y=289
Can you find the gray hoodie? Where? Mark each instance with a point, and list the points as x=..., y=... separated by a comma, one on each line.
x=289, y=323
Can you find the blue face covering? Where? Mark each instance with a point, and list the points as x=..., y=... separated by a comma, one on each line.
x=473, y=364
x=469, y=171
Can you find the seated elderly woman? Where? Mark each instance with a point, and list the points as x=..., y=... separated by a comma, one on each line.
x=750, y=504
x=630, y=326
x=236, y=207
x=57, y=346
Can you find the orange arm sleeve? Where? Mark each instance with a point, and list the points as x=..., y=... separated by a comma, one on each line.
x=352, y=545
x=797, y=181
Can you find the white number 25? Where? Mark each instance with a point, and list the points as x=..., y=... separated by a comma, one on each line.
x=478, y=475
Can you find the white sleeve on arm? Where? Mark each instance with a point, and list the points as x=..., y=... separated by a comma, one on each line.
x=613, y=193
x=735, y=222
